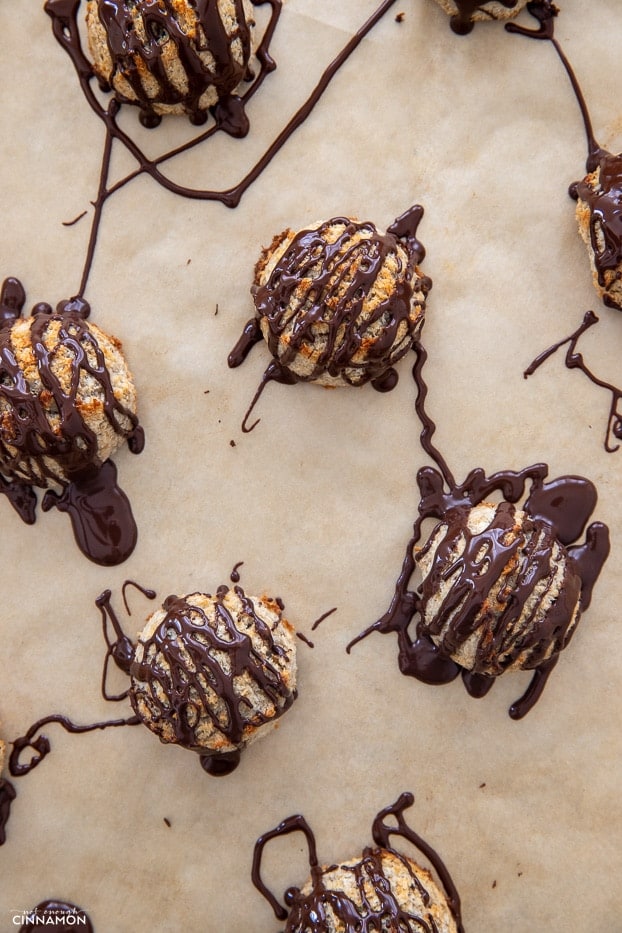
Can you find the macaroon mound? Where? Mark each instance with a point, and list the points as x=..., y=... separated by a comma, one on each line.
x=213, y=673
x=171, y=56
x=499, y=591
x=465, y=13
x=381, y=890
x=339, y=303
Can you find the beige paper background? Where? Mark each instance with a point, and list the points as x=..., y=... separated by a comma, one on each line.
x=319, y=500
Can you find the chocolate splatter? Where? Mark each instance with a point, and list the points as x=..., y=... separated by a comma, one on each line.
x=40, y=744
x=574, y=360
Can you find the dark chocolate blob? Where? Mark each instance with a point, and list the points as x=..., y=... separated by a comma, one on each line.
x=44, y=437
x=59, y=914
x=314, y=911
x=181, y=670
x=557, y=511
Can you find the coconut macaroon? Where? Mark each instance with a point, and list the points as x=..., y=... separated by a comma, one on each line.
x=599, y=215
x=381, y=890
x=67, y=397
x=499, y=591
x=465, y=13
x=339, y=303
x=171, y=56
x=67, y=401
x=213, y=673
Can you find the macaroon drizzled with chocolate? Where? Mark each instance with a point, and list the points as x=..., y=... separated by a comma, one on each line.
x=502, y=587
x=338, y=303
x=599, y=193
x=465, y=13
x=599, y=214
x=381, y=889
x=173, y=56
x=211, y=673
x=67, y=402
x=599, y=217
x=208, y=673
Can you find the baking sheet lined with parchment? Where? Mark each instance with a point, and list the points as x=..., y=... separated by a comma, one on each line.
x=319, y=500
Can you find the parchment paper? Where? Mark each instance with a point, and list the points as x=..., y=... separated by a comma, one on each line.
x=319, y=500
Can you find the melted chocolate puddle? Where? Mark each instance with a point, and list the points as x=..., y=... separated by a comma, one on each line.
x=605, y=206
x=308, y=911
x=34, y=454
x=562, y=507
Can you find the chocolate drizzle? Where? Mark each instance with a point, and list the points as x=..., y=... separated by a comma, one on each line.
x=66, y=30
x=59, y=914
x=138, y=33
x=603, y=197
x=44, y=435
x=181, y=668
x=40, y=744
x=317, y=911
x=557, y=511
x=574, y=360
x=313, y=305
x=462, y=22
